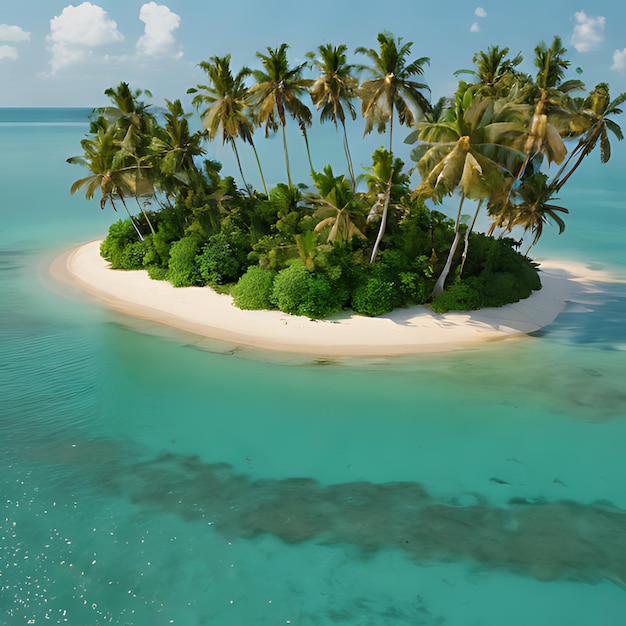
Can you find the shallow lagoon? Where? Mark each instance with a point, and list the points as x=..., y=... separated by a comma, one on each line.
x=151, y=477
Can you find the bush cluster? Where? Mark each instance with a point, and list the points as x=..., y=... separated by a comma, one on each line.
x=300, y=291
x=122, y=235
x=183, y=269
x=495, y=274
x=254, y=289
x=253, y=253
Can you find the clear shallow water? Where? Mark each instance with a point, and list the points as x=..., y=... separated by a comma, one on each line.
x=150, y=477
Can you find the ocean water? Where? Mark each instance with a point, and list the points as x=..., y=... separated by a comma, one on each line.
x=150, y=477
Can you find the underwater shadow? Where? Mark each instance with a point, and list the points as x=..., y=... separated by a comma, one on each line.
x=544, y=540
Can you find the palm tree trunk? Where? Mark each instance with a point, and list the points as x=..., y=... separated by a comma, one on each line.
x=391, y=133
x=145, y=215
x=232, y=143
x=138, y=175
x=383, y=220
x=468, y=232
x=286, y=156
x=559, y=183
x=348, y=156
x=572, y=154
x=441, y=281
x=132, y=221
x=308, y=151
x=530, y=148
x=258, y=162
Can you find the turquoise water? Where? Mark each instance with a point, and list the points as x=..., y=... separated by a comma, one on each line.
x=150, y=477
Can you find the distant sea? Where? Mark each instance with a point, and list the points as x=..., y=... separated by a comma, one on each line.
x=150, y=477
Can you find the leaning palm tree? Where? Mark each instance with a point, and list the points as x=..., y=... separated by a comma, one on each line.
x=595, y=112
x=109, y=174
x=277, y=92
x=534, y=209
x=135, y=126
x=392, y=87
x=389, y=184
x=226, y=108
x=333, y=91
x=469, y=152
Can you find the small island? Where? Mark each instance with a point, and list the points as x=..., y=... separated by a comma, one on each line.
x=369, y=243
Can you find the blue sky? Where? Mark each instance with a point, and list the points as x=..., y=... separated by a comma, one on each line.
x=53, y=53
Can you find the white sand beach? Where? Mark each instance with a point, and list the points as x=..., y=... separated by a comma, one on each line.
x=202, y=311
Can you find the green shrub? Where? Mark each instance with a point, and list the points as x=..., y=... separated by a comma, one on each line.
x=218, y=262
x=132, y=256
x=121, y=234
x=505, y=287
x=290, y=287
x=158, y=245
x=477, y=253
x=374, y=296
x=461, y=295
x=254, y=289
x=157, y=273
x=315, y=294
x=323, y=296
x=501, y=257
x=183, y=271
x=415, y=287
x=412, y=277
x=505, y=275
x=528, y=275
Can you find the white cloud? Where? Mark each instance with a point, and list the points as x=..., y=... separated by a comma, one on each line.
x=480, y=12
x=475, y=28
x=589, y=31
x=8, y=52
x=77, y=32
x=619, y=61
x=158, y=40
x=13, y=33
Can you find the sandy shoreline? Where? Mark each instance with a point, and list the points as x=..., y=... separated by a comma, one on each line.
x=201, y=311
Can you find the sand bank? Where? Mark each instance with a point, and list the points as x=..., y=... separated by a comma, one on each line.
x=201, y=311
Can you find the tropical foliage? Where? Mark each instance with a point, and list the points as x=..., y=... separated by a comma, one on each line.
x=506, y=143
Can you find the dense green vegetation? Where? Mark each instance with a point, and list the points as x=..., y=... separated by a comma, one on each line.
x=369, y=242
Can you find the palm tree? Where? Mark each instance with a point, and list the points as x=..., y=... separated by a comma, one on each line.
x=534, y=210
x=387, y=182
x=225, y=97
x=551, y=66
x=174, y=148
x=469, y=151
x=494, y=72
x=438, y=110
x=135, y=126
x=339, y=207
x=333, y=91
x=595, y=111
x=550, y=97
x=277, y=92
x=131, y=116
x=109, y=174
x=391, y=87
